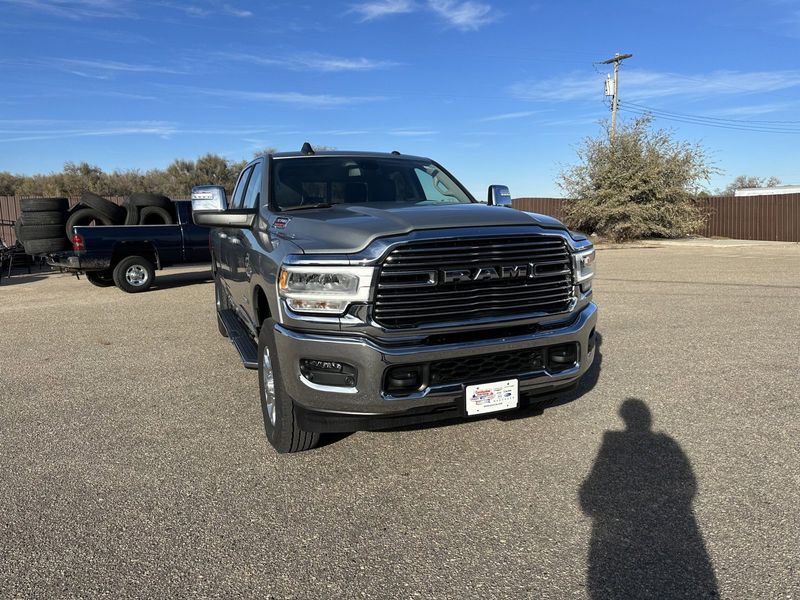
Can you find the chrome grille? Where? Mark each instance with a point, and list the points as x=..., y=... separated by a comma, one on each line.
x=413, y=288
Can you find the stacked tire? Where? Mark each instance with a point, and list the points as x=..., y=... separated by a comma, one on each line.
x=40, y=226
x=148, y=209
x=137, y=209
x=94, y=210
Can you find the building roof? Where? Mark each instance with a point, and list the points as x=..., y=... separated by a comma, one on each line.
x=768, y=191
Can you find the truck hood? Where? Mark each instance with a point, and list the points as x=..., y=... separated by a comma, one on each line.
x=348, y=228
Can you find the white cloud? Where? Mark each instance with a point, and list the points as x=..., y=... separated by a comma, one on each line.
x=312, y=62
x=296, y=98
x=466, y=16
x=511, y=115
x=643, y=85
x=108, y=66
x=75, y=9
x=383, y=8
x=412, y=132
x=27, y=130
x=236, y=12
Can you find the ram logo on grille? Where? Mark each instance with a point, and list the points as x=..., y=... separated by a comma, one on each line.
x=503, y=272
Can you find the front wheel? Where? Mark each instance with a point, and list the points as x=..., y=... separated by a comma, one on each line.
x=280, y=420
x=100, y=278
x=134, y=274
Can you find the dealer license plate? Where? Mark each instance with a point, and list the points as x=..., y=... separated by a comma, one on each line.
x=492, y=397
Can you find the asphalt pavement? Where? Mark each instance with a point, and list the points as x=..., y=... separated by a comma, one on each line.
x=133, y=461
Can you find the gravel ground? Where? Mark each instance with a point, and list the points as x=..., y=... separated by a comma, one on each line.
x=134, y=462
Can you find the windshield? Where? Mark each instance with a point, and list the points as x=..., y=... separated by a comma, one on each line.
x=330, y=180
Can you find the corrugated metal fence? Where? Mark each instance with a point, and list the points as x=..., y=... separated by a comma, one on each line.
x=767, y=217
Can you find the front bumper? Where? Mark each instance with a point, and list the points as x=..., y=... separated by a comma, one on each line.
x=367, y=406
x=78, y=261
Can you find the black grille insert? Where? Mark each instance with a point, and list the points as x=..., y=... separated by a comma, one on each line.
x=501, y=277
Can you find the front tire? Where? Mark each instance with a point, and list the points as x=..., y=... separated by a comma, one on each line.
x=134, y=274
x=280, y=420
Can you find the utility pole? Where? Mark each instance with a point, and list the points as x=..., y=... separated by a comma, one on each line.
x=618, y=58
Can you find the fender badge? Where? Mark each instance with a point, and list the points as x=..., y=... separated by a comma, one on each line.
x=280, y=222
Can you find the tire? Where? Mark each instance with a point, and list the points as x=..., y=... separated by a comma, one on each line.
x=45, y=217
x=41, y=232
x=280, y=419
x=154, y=215
x=85, y=216
x=222, y=304
x=44, y=204
x=131, y=269
x=47, y=246
x=142, y=199
x=131, y=213
x=100, y=278
x=114, y=213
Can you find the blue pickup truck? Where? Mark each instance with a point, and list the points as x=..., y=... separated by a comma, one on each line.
x=129, y=255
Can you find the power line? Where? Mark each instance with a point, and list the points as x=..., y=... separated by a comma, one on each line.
x=705, y=117
x=694, y=121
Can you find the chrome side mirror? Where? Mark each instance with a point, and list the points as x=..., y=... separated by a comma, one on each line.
x=499, y=195
x=209, y=198
x=210, y=209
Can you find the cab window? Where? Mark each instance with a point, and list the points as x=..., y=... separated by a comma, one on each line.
x=252, y=198
x=241, y=187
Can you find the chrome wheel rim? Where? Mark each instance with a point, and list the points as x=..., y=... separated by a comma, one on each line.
x=136, y=275
x=269, y=386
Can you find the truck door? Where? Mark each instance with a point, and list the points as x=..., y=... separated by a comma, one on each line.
x=226, y=239
x=241, y=243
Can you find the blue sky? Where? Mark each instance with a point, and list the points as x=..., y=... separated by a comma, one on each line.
x=497, y=92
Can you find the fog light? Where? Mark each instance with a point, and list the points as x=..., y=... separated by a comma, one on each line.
x=404, y=379
x=562, y=357
x=328, y=372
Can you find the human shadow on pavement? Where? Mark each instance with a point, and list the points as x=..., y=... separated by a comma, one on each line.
x=645, y=542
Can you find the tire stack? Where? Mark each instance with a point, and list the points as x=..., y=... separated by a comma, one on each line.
x=148, y=209
x=137, y=209
x=94, y=210
x=40, y=226
x=43, y=222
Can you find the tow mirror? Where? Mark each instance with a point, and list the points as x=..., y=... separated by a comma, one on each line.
x=209, y=198
x=210, y=209
x=499, y=195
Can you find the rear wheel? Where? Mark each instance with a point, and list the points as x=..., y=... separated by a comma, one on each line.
x=134, y=274
x=280, y=420
x=100, y=278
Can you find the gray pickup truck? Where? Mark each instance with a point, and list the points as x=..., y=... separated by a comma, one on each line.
x=373, y=291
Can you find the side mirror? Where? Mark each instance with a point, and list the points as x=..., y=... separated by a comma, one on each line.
x=210, y=209
x=499, y=196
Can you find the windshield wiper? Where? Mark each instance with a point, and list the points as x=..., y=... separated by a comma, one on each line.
x=307, y=206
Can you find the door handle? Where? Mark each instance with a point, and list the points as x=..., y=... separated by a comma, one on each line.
x=223, y=236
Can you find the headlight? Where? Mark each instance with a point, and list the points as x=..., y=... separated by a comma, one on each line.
x=324, y=289
x=584, y=266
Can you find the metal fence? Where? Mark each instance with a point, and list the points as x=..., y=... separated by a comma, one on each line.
x=767, y=217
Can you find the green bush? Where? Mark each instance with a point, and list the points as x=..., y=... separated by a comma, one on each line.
x=644, y=184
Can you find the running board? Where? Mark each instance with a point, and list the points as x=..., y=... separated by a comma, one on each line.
x=239, y=337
